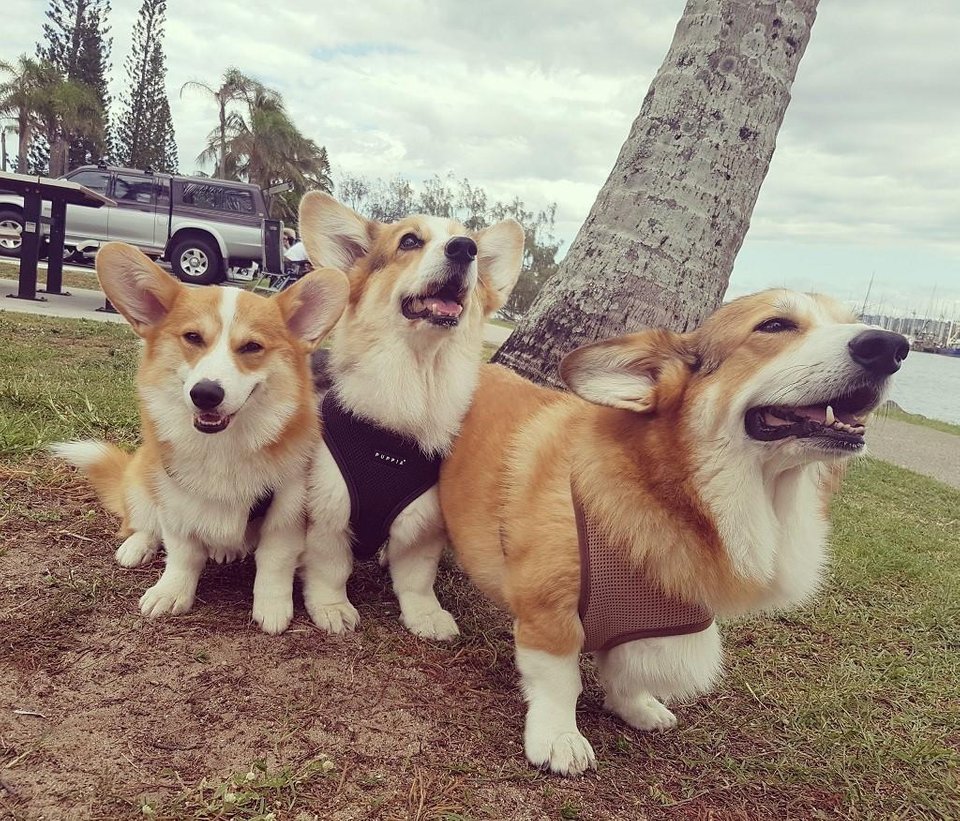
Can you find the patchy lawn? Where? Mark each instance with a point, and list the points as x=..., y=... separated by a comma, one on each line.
x=848, y=709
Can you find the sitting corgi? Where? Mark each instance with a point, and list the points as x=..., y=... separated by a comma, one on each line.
x=229, y=421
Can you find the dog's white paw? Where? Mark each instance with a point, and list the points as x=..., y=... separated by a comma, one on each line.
x=644, y=713
x=565, y=754
x=165, y=598
x=138, y=549
x=341, y=617
x=438, y=624
x=274, y=615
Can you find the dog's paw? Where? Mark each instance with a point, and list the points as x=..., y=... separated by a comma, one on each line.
x=273, y=616
x=334, y=618
x=643, y=713
x=166, y=598
x=438, y=624
x=565, y=754
x=138, y=549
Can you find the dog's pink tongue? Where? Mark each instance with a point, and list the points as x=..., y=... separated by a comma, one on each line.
x=443, y=307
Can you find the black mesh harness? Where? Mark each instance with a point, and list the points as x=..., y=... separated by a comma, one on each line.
x=384, y=472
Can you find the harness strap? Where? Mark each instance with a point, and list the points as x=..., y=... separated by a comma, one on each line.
x=384, y=472
x=619, y=602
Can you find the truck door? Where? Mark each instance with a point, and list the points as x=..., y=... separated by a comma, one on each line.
x=88, y=223
x=134, y=220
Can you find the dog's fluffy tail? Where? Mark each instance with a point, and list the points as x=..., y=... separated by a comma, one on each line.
x=103, y=464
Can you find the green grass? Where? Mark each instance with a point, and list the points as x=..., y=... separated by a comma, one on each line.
x=892, y=411
x=848, y=708
x=71, y=279
x=64, y=378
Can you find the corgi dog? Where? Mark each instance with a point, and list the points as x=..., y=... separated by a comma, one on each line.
x=403, y=363
x=697, y=465
x=229, y=420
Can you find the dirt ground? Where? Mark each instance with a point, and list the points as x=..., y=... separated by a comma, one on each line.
x=104, y=715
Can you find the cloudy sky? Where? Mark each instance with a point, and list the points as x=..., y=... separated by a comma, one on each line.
x=535, y=99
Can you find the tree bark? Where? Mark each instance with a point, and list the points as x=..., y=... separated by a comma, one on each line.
x=659, y=243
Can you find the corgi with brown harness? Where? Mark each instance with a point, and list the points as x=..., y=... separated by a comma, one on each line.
x=229, y=421
x=403, y=364
x=685, y=479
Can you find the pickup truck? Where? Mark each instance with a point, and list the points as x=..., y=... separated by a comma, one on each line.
x=202, y=226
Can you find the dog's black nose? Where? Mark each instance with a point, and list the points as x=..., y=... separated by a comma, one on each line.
x=879, y=352
x=206, y=394
x=461, y=249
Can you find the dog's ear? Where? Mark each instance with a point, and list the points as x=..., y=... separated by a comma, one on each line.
x=632, y=372
x=499, y=258
x=335, y=236
x=136, y=286
x=313, y=304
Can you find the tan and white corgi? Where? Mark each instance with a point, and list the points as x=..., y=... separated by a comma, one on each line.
x=403, y=362
x=695, y=465
x=229, y=419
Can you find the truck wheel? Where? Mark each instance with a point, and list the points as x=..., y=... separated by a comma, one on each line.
x=10, y=222
x=196, y=260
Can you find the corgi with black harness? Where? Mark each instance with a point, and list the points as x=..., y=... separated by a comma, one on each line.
x=403, y=363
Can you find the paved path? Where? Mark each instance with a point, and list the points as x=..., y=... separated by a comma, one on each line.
x=931, y=452
x=924, y=450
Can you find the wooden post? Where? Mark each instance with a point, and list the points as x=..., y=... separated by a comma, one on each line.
x=29, y=244
x=58, y=230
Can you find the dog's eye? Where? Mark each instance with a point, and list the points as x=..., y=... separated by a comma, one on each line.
x=776, y=325
x=193, y=338
x=410, y=241
x=250, y=347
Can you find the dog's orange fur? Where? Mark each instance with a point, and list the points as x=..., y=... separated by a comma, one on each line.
x=505, y=489
x=196, y=310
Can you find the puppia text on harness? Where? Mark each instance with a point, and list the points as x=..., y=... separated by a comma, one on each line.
x=384, y=472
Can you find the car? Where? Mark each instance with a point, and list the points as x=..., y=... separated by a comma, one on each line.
x=202, y=226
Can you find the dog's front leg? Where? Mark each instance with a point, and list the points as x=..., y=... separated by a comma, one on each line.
x=279, y=549
x=177, y=587
x=327, y=563
x=417, y=539
x=327, y=558
x=551, y=685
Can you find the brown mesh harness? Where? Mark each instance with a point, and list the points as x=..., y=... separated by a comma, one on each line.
x=617, y=602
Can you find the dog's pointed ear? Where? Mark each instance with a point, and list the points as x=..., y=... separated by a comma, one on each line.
x=631, y=372
x=313, y=304
x=499, y=259
x=136, y=286
x=335, y=236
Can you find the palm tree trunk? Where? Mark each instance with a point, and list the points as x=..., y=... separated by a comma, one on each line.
x=23, y=146
x=659, y=243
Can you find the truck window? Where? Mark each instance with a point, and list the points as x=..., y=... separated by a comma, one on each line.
x=217, y=198
x=94, y=180
x=137, y=189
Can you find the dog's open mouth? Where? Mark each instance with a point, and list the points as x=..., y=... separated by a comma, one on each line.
x=442, y=306
x=837, y=424
x=211, y=421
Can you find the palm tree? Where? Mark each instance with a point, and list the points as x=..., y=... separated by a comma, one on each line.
x=22, y=98
x=266, y=148
x=235, y=86
x=659, y=243
x=73, y=111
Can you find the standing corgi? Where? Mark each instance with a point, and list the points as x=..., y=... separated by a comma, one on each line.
x=229, y=422
x=686, y=477
x=403, y=365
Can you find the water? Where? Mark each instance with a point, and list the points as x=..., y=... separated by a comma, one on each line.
x=929, y=384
